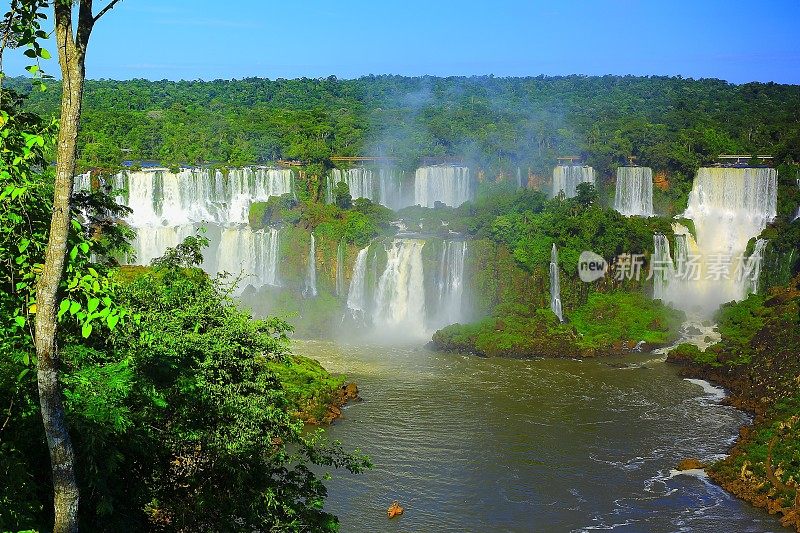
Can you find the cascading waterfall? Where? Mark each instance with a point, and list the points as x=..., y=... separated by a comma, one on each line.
x=450, y=283
x=167, y=207
x=159, y=197
x=382, y=187
x=250, y=253
x=357, y=295
x=340, y=258
x=663, y=267
x=82, y=182
x=634, y=193
x=567, y=178
x=447, y=184
x=555, y=285
x=729, y=206
x=400, y=293
x=310, y=287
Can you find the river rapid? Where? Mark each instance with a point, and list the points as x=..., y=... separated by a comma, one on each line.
x=473, y=444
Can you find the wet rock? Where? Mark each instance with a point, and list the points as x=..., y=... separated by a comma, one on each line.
x=690, y=464
x=694, y=330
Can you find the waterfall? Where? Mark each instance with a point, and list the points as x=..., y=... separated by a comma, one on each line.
x=159, y=197
x=169, y=206
x=519, y=179
x=634, y=194
x=82, y=183
x=340, y=258
x=450, y=185
x=751, y=269
x=250, y=253
x=729, y=206
x=555, y=286
x=797, y=215
x=567, y=178
x=400, y=293
x=662, y=267
x=381, y=188
x=357, y=295
x=450, y=283
x=310, y=288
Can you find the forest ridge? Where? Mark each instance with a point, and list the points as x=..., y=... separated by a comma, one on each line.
x=668, y=123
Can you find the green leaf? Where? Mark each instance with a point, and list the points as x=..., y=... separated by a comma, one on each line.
x=112, y=321
x=73, y=253
x=20, y=320
x=23, y=245
x=63, y=308
x=74, y=308
x=44, y=54
x=86, y=330
x=92, y=305
x=85, y=249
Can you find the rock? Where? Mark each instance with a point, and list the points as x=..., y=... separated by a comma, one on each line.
x=690, y=464
x=394, y=510
x=694, y=330
x=351, y=391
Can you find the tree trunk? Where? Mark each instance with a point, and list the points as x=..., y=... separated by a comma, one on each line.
x=62, y=457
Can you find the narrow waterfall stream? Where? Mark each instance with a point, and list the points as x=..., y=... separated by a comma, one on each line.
x=555, y=285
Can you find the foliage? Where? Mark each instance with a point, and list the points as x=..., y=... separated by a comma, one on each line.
x=630, y=317
x=185, y=403
x=310, y=389
x=668, y=123
x=341, y=195
x=607, y=323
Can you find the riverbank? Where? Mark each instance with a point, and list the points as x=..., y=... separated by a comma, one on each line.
x=315, y=395
x=757, y=361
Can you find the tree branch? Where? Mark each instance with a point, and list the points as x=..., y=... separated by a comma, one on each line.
x=85, y=24
x=106, y=9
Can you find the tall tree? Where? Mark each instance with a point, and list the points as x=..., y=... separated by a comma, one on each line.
x=72, y=41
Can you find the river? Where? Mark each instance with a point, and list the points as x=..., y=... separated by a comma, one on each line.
x=473, y=444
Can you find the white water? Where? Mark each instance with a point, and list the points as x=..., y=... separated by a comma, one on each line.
x=450, y=283
x=400, y=293
x=340, y=266
x=567, y=178
x=447, y=184
x=381, y=188
x=252, y=254
x=168, y=207
x=797, y=215
x=357, y=294
x=159, y=197
x=634, y=191
x=555, y=285
x=310, y=287
x=729, y=206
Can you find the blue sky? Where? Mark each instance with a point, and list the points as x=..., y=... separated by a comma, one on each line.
x=206, y=39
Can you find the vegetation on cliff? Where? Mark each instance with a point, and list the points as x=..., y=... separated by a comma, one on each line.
x=186, y=399
x=757, y=360
x=608, y=323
